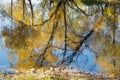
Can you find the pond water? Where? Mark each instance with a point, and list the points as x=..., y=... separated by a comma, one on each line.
x=85, y=61
x=4, y=59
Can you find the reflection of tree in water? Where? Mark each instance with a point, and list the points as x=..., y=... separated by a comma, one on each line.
x=65, y=25
x=23, y=41
x=20, y=37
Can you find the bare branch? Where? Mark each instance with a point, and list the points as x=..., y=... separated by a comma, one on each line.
x=69, y=59
x=11, y=13
x=65, y=36
x=31, y=7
